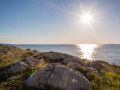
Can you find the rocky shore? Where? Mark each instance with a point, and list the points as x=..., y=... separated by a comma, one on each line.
x=30, y=69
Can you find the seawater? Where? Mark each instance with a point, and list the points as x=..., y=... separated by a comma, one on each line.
x=105, y=52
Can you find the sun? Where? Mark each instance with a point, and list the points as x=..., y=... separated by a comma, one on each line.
x=87, y=18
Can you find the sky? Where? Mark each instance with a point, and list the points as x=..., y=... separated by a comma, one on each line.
x=59, y=22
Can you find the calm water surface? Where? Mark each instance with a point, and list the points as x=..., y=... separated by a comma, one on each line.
x=107, y=52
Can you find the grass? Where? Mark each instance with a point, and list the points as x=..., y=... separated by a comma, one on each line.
x=82, y=70
x=98, y=83
x=14, y=55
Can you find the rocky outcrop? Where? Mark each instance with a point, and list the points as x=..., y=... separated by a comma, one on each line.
x=97, y=65
x=60, y=76
x=34, y=61
x=52, y=55
x=17, y=67
x=12, y=70
x=22, y=65
x=60, y=56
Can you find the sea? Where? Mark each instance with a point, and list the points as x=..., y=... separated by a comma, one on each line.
x=104, y=52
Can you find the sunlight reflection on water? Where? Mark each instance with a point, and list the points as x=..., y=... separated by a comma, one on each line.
x=87, y=50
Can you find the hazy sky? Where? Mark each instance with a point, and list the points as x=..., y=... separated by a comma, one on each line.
x=59, y=21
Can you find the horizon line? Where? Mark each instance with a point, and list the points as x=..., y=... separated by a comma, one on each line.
x=55, y=44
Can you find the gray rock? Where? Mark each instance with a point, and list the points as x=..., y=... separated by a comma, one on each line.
x=17, y=67
x=29, y=61
x=53, y=55
x=74, y=65
x=75, y=59
x=60, y=76
x=96, y=65
x=65, y=57
x=34, y=61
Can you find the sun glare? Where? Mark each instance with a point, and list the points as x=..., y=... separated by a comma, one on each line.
x=87, y=50
x=87, y=18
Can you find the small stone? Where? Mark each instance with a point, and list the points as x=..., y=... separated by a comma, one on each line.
x=28, y=49
x=35, y=51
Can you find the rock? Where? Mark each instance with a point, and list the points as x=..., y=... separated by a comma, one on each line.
x=97, y=65
x=17, y=67
x=11, y=48
x=35, y=51
x=28, y=49
x=53, y=55
x=92, y=70
x=39, y=56
x=60, y=57
x=67, y=60
x=59, y=76
x=3, y=52
x=12, y=77
x=33, y=61
x=75, y=59
x=29, y=61
x=74, y=65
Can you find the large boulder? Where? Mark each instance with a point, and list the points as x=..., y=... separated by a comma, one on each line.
x=59, y=76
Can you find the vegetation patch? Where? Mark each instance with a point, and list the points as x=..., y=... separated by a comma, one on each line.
x=82, y=70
